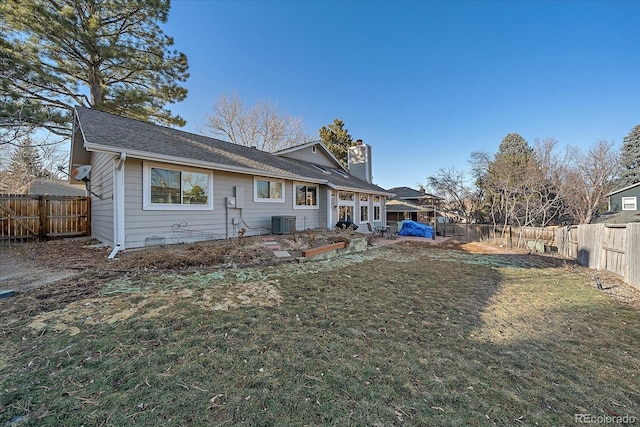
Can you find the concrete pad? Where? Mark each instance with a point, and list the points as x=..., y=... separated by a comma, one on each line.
x=282, y=254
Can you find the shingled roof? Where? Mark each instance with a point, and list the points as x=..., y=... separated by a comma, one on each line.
x=406, y=193
x=107, y=132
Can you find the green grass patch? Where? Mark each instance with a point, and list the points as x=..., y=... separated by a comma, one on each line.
x=398, y=335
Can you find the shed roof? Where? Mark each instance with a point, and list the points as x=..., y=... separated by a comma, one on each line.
x=55, y=187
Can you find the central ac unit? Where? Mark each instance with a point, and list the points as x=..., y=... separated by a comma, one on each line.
x=283, y=224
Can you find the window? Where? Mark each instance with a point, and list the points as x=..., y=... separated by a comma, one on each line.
x=346, y=206
x=305, y=196
x=175, y=189
x=321, y=168
x=364, y=213
x=340, y=172
x=364, y=208
x=345, y=213
x=376, y=213
x=376, y=208
x=346, y=196
x=629, y=204
x=268, y=190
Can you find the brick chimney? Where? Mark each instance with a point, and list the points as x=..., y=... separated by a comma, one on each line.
x=359, y=160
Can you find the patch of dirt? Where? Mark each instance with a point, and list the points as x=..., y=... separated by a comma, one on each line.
x=247, y=251
x=47, y=276
x=72, y=280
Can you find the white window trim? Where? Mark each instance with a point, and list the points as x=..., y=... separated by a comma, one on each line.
x=256, y=199
x=364, y=220
x=630, y=200
x=317, y=205
x=146, y=189
x=350, y=203
x=377, y=204
x=361, y=204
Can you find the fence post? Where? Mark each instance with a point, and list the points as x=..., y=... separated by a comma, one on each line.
x=42, y=210
x=632, y=252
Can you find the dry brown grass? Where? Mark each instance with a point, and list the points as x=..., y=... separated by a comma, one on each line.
x=404, y=334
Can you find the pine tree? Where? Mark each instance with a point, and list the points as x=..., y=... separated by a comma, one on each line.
x=25, y=165
x=337, y=140
x=111, y=55
x=630, y=158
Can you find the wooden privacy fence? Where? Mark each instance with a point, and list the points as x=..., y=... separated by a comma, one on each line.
x=24, y=217
x=611, y=247
x=537, y=239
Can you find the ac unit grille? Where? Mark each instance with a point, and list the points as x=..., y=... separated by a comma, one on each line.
x=283, y=224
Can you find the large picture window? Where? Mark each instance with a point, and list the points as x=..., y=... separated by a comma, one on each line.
x=176, y=188
x=265, y=190
x=305, y=196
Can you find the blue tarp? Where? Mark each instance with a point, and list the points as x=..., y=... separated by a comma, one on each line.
x=412, y=228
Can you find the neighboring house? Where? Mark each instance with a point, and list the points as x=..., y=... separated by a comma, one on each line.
x=625, y=199
x=623, y=206
x=410, y=204
x=155, y=184
x=55, y=187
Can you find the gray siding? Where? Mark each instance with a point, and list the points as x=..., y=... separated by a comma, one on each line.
x=102, y=209
x=307, y=155
x=183, y=226
x=615, y=200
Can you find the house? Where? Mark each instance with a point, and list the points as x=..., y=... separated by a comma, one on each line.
x=625, y=199
x=623, y=206
x=410, y=204
x=152, y=184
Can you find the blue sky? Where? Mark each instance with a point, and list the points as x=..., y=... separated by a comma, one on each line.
x=424, y=83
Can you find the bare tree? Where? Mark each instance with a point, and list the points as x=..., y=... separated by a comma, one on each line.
x=588, y=180
x=262, y=126
x=462, y=198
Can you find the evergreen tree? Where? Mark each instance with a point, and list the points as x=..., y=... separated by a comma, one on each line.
x=514, y=149
x=110, y=55
x=630, y=158
x=24, y=166
x=509, y=182
x=337, y=140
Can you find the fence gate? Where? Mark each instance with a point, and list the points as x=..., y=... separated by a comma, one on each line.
x=24, y=217
x=614, y=248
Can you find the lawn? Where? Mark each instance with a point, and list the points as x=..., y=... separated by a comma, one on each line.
x=401, y=335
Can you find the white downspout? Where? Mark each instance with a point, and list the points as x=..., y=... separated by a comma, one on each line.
x=329, y=224
x=118, y=205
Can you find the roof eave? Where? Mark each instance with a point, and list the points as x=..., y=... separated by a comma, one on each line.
x=623, y=189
